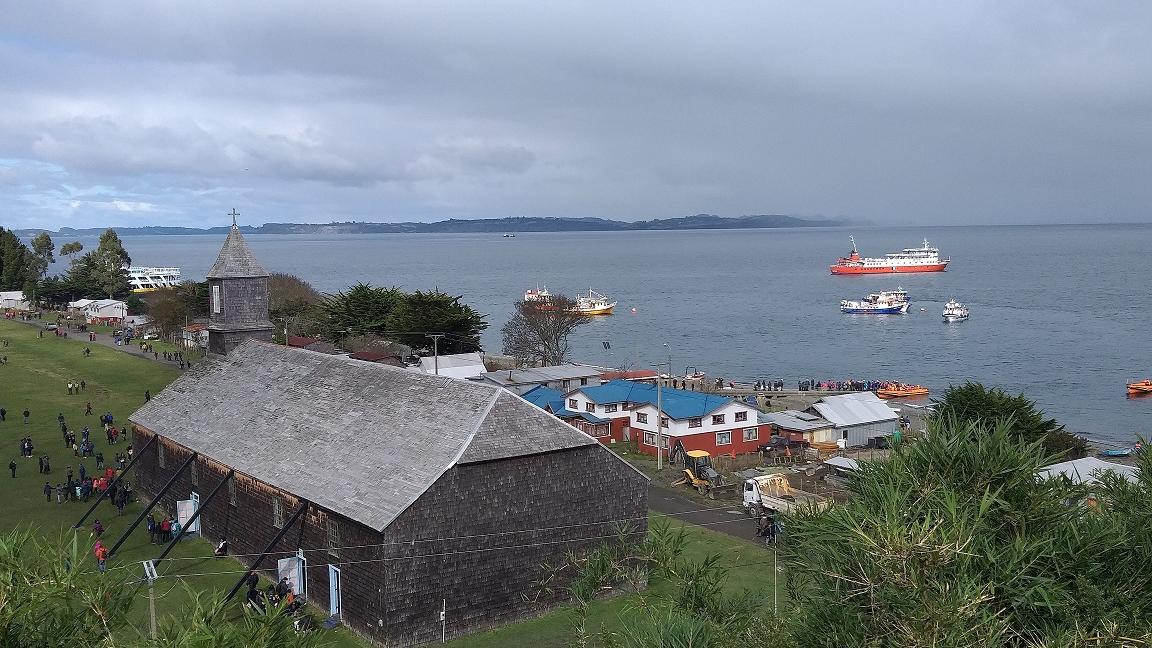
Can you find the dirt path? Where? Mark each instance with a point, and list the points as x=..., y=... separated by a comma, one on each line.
x=102, y=339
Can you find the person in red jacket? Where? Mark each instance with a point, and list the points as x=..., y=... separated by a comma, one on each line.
x=101, y=553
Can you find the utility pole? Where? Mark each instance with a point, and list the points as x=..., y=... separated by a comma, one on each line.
x=435, y=350
x=775, y=573
x=150, y=574
x=659, y=427
x=660, y=415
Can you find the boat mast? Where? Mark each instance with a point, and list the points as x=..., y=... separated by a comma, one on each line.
x=853, y=239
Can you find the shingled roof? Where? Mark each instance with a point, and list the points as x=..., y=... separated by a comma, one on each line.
x=235, y=259
x=361, y=439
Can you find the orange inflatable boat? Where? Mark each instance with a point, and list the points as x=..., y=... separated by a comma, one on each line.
x=899, y=390
x=1140, y=387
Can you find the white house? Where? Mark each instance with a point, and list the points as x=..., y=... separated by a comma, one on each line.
x=458, y=365
x=79, y=304
x=195, y=336
x=857, y=417
x=105, y=311
x=14, y=300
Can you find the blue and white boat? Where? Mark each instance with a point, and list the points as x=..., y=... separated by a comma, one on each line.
x=886, y=302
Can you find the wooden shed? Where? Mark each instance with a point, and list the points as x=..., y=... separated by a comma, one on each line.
x=403, y=494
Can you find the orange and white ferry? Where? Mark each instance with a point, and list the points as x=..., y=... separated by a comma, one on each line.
x=920, y=259
x=591, y=304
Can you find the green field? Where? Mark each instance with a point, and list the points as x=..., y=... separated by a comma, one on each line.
x=36, y=376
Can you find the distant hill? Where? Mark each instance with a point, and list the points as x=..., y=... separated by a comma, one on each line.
x=484, y=225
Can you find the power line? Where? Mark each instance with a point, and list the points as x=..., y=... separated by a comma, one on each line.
x=473, y=536
x=434, y=555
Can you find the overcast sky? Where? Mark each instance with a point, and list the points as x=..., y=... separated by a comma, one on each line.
x=135, y=113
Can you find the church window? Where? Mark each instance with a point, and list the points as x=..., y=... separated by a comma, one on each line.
x=161, y=459
x=333, y=538
x=232, y=491
x=277, y=512
x=216, y=299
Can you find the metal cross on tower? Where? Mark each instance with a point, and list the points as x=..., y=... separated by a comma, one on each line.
x=233, y=214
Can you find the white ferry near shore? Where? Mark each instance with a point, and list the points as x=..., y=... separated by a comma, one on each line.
x=146, y=279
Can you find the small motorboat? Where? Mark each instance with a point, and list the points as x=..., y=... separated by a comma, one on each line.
x=1116, y=452
x=900, y=390
x=1140, y=387
x=954, y=311
x=510, y=235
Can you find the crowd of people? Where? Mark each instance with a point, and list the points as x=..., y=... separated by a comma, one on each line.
x=163, y=531
x=89, y=475
x=844, y=385
x=279, y=593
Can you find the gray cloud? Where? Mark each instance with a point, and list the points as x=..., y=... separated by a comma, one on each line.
x=896, y=112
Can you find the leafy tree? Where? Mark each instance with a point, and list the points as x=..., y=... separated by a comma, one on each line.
x=55, y=291
x=42, y=249
x=539, y=335
x=70, y=249
x=366, y=311
x=110, y=263
x=973, y=402
x=194, y=296
x=422, y=312
x=955, y=542
x=18, y=270
x=292, y=303
x=362, y=310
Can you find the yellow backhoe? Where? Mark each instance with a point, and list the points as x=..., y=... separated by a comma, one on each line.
x=699, y=473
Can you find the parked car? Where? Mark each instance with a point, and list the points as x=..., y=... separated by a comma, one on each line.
x=152, y=335
x=51, y=326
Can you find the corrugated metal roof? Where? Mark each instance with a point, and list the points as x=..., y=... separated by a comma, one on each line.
x=1087, y=470
x=854, y=409
x=362, y=439
x=235, y=259
x=795, y=421
x=542, y=396
x=678, y=404
x=844, y=463
x=638, y=374
x=587, y=416
x=540, y=374
x=457, y=365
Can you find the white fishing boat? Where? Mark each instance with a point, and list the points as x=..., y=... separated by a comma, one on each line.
x=147, y=279
x=591, y=304
x=954, y=311
x=885, y=302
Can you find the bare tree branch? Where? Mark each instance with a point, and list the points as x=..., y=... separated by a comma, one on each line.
x=538, y=331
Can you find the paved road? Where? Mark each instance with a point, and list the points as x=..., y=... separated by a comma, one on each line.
x=724, y=517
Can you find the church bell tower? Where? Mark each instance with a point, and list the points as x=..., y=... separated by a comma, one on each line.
x=237, y=296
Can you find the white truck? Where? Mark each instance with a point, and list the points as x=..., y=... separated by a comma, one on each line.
x=768, y=493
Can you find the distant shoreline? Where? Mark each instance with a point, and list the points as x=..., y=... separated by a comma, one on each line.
x=478, y=226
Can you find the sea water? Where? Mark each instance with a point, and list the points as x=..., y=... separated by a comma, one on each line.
x=1059, y=313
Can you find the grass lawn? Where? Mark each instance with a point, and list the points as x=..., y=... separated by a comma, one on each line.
x=36, y=376
x=750, y=569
